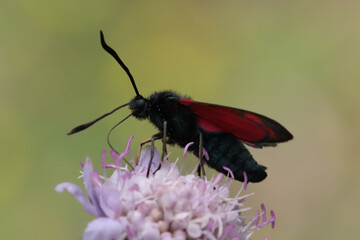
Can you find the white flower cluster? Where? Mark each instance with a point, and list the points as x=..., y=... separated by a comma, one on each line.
x=165, y=205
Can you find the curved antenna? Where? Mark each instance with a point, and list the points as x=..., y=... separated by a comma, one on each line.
x=108, y=136
x=108, y=140
x=117, y=58
x=86, y=125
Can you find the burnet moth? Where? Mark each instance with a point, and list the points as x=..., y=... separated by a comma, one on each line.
x=223, y=130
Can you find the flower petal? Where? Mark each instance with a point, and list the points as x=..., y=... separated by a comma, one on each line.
x=79, y=195
x=104, y=229
x=90, y=182
x=110, y=202
x=145, y=157
x=193, y=230
x=150, y=231
x=126, y=152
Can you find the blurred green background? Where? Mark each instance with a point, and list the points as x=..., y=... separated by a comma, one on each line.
x=294, y=61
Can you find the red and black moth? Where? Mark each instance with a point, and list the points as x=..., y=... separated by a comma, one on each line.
x=223, y=130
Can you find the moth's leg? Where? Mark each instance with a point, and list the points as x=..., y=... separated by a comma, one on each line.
x=151, y=155
x=155, y=136
x=164, y=150
x=201, y=168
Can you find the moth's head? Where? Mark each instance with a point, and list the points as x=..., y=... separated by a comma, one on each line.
x=139, y=107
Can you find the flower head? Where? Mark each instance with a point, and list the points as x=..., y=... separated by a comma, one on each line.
x=165, y=205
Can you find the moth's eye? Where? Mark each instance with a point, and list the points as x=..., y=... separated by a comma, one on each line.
x=140, y=104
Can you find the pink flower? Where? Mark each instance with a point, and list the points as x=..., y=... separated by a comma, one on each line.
x=165, y=205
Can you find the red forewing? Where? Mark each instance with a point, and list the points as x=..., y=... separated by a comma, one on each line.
x=252, y=128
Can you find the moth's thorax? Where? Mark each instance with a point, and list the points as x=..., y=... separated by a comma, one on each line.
x=163, y=97
x=156, y=104
x=181, y=121
x=161, y=106
x=165, y=106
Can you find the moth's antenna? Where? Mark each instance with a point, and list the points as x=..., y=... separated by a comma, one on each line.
x=108, y=139
x=108, y=136
x=86, y=125
x=117, y=58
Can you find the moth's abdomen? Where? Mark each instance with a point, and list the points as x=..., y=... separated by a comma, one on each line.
x=225, y=149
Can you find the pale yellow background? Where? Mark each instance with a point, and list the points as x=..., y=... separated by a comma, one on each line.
x=294, y=61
